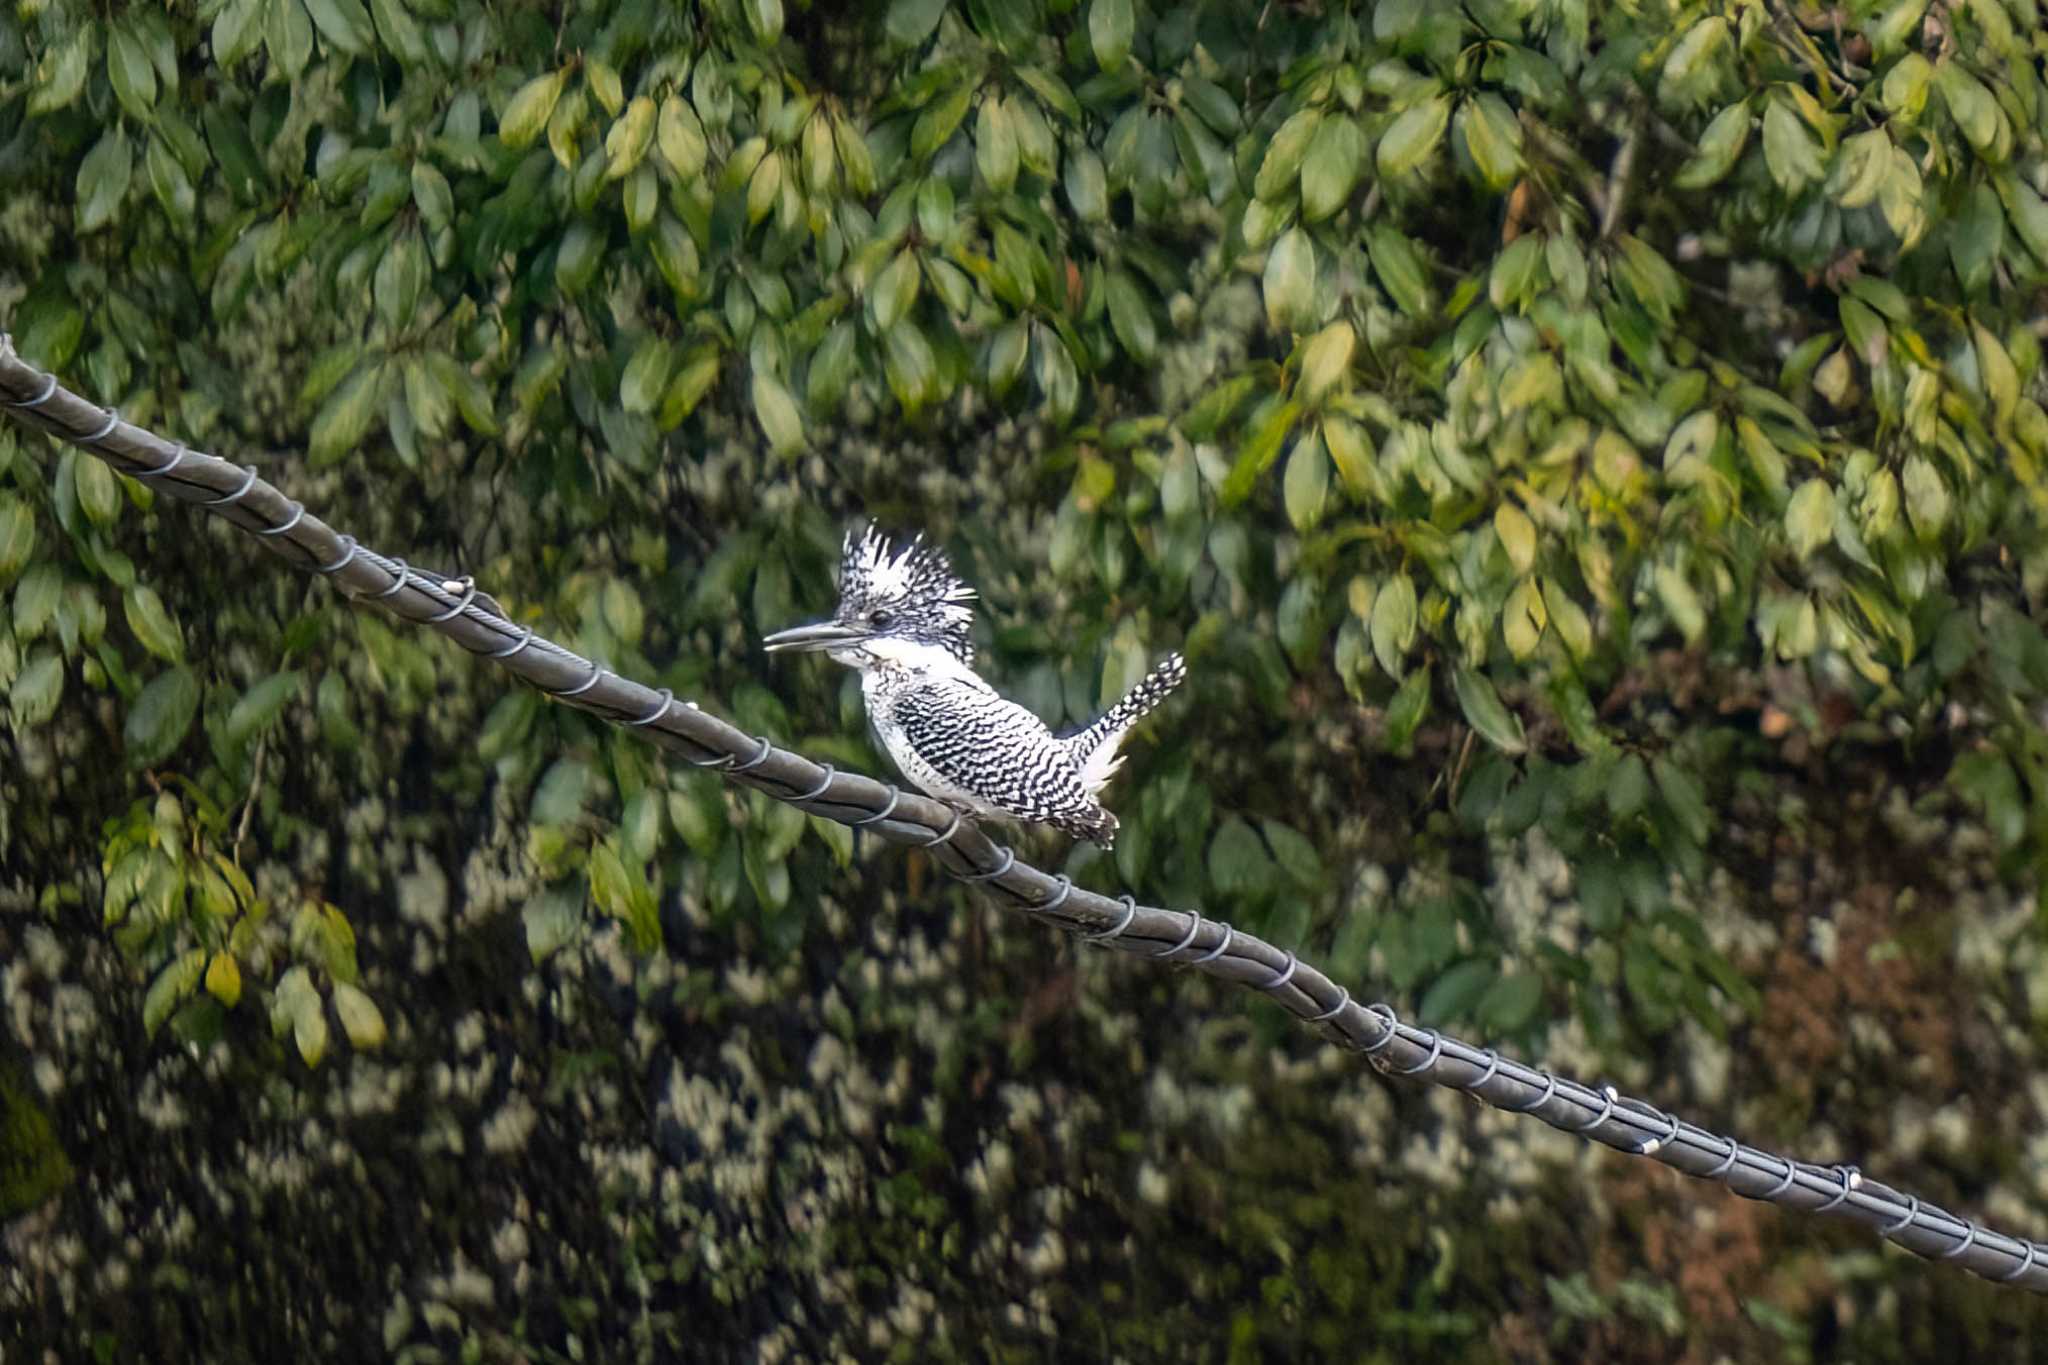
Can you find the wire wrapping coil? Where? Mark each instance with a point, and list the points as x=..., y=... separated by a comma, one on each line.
x=1130, y=904
x=888, y=809
x=242, y=491
x=1187, y=939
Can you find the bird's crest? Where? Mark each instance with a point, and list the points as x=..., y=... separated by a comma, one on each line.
x=911, y=592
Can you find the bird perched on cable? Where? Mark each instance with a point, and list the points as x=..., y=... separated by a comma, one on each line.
x=903, y=622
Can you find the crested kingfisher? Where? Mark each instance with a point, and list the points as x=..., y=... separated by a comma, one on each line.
x=903, y=622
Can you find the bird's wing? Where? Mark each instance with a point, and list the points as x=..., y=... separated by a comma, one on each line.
x=985, y=746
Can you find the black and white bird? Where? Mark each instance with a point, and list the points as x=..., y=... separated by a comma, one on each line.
x=903, y=622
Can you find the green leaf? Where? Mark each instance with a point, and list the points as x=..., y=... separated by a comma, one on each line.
x=1087, y=185
x=1861, y=166
x=309, y=1024
x=17, y=536
x=910, y=22
x=1412, y=137
x=1927, y=497
x=1295, y=853
x=152, y=625
x=1515, y=271
x=604, y=82
x=2027, y=213
x=1351, y=451
x=581, y=253
x=1130, y=315
x=1485, y=713
x=528, y=111
x=256, y=708
x=622, y=611
x=35, y=600
x=995, y=145
x=400, y=280
x=911, y=367
x=60, y=73
x=1895, y=26
x=344, y=419
x=1790, y=150
x=1900, y=199
x=1977, y=238
x=1330, y=170
x=235, y=32
x=1305, y=487
x=1212, y=104
x=551, y=919
x=1400, y=269
x=159, y=717
x=1719, y=148
x=103, y=179
x=1261, y=447
x=169, y=181
x=1810, y=517
x=1111, y=24
x=765, y=18
x=224, y=979
x=894, y=290
x=1517, y=536
x=130, y=72
x=1407, y=710
x=687, y=389
x=854, y=157
x=777, y=413
x=1681, y=602
x=1511, y=1004
x=1972, y=107
x=628, y=138
x=679, y=136
x=179, y=978
x=1492, y=138
x=1280, y=167
x=1393, y=623
x=345, y=25
x=37, y=689
x=647, y=375
x=1453, y=994
x=99, y=496
x=2000, y=377
x=1987, y=778
x=1325, y=360
x=1238, y=862
x=360, y=1017
x=1568, y=618
x=1290, y=281
x=1698, y=47
x=1685, y=798
x=939, y=121
x=675, y=255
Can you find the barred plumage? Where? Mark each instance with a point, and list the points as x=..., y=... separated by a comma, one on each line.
x=903, y=623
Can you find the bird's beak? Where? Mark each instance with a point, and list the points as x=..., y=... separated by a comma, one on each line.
x=819, y=635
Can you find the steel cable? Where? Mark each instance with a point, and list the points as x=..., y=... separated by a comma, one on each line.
x=457, y=610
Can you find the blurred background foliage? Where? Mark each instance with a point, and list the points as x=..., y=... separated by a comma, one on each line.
x=1591, y=453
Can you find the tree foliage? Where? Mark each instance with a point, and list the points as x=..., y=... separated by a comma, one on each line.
x=1593, y=428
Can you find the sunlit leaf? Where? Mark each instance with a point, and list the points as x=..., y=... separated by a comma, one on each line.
x=1485, y=713
x=1413, y=136
x=529, y=110
x=1110, y=26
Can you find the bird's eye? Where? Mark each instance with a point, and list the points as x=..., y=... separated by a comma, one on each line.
x=880, y=619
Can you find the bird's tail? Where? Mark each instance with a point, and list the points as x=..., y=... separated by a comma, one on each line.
x=1094, y=749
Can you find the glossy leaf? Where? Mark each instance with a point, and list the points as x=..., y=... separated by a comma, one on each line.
x=159, y=717
x=1111, y=24
x=1413, y=136
x=1485, y=713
